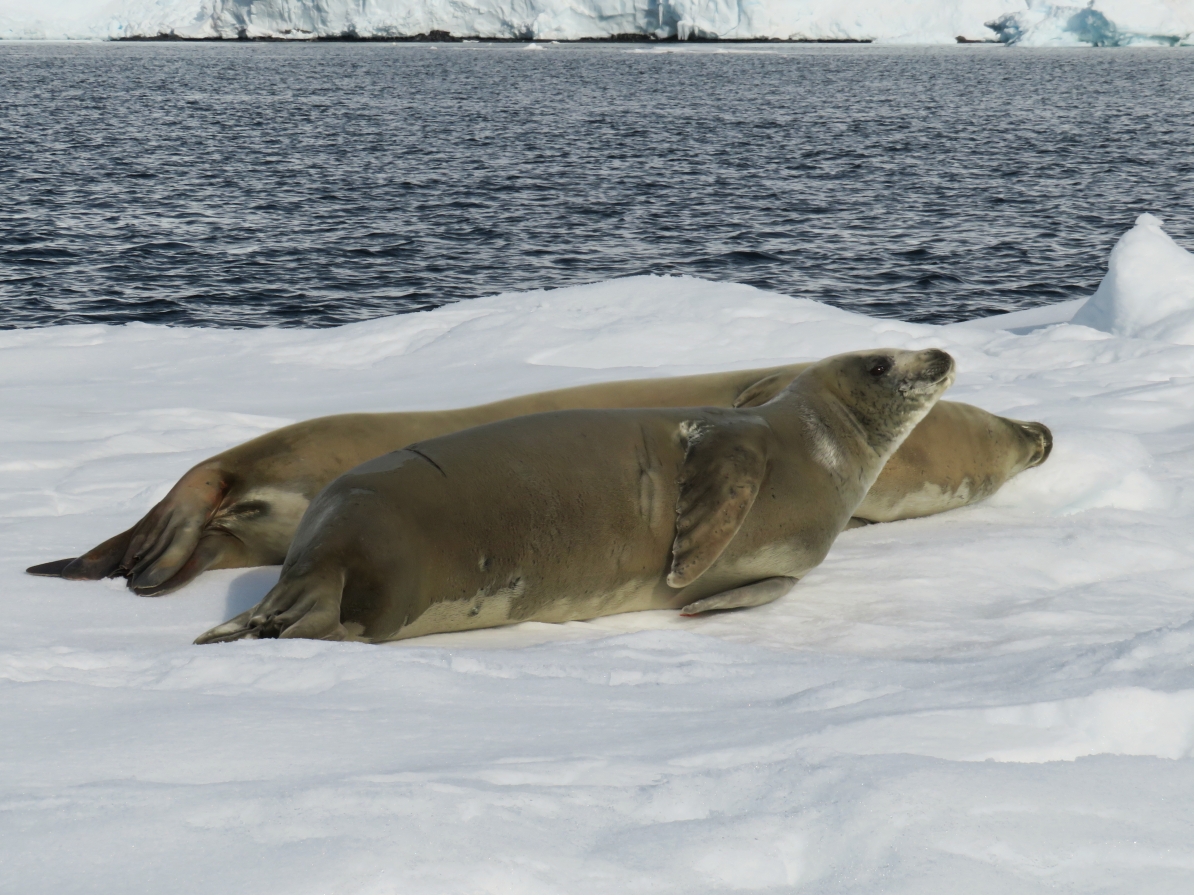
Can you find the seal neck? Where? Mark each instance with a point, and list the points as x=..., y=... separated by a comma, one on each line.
x=849, y=441
x=836, y=439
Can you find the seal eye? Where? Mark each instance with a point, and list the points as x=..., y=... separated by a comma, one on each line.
x=878, y=366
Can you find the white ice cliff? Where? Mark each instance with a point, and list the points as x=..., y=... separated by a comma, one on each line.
x=1026, y=22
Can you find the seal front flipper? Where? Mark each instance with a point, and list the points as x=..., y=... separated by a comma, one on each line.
x=758, y=594
x=725, y=460
x=765, y=389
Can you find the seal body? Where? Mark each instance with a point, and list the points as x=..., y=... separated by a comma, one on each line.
x=242, y=507
x=576, y=514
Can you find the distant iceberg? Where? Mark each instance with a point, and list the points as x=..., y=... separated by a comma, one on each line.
x=1031, y=23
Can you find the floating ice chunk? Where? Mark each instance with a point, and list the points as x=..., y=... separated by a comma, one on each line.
x=1046, y=25
x=1100, y=23
x=1148, y=291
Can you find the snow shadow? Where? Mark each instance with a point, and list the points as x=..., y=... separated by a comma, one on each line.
x=246, y=590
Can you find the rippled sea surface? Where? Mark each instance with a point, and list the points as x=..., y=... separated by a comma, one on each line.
x=250, y=184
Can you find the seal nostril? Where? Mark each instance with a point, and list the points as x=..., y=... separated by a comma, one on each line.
x=1044, y=437
x=938, y=364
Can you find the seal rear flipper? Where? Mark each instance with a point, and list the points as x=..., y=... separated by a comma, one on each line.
x=50, y=569
x=758, y=594
x=725, y=461
x=216, y=550
x=165, y=540
x=102, y=561
x=237, y=628
x=307, y=606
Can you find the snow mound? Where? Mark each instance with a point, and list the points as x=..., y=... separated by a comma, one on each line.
x=1148, y=291
x=1106, y=23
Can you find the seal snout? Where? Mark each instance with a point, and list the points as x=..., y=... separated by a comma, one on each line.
x=937, y=365
x=1043, y=438
x=928, y=371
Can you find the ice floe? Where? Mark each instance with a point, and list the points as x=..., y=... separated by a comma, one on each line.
x=994, y=699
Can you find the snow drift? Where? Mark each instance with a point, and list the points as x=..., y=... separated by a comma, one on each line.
x=1148, y=291
x=1105, y=22
x=997, y=699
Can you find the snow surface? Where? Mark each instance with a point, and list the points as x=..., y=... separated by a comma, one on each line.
x=1030, y=22
x=998, y=699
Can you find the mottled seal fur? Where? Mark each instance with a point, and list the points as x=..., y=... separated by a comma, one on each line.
x=241, y=507
x=582, y=513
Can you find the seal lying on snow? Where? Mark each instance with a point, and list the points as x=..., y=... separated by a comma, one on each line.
x=581, y=513
x=241, y=508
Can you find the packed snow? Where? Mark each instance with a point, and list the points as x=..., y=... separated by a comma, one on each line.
x=998, y=699
x=1029, y=22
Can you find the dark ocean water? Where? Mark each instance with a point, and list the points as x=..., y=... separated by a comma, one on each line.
x=315, y=184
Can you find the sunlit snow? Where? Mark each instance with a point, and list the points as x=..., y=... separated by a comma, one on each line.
x=998, y=699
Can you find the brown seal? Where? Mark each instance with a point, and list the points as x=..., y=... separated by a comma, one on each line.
x=241, y=507
x=582, y=513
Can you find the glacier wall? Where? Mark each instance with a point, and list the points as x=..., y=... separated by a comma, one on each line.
x=1024, y=22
